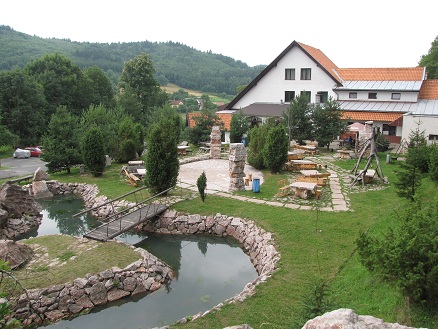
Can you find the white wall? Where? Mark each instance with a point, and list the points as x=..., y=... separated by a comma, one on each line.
x=427, y=123
x=271, y=88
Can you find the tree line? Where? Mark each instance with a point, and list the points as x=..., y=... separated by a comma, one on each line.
x=174, y=62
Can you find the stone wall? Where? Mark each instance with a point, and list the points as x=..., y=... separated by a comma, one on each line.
x=257, y=243
x=66, y=300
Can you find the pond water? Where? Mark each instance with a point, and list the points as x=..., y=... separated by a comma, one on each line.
x=207, y=270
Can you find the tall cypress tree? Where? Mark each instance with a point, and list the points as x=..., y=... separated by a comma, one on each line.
x=162, y=165
x=94, y=151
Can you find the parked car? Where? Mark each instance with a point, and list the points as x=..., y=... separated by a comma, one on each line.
x=20, y=153
x=34, y=151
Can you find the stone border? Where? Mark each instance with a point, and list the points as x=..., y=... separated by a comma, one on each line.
x=66, y=300
x=257, y=243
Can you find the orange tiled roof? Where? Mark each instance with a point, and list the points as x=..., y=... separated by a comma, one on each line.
x=429, y=89
x=320, y=57
x=382, y=74
x=371, y=116
x=224, y=117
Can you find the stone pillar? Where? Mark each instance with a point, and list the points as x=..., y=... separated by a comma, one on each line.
x=215, y=143
x=237, y=166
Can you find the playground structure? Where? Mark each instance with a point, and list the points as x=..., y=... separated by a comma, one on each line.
x=368, y=146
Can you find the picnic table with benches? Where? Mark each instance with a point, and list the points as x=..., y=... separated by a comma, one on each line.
x=305, y=189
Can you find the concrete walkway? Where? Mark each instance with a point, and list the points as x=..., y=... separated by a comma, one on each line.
x=218, y=181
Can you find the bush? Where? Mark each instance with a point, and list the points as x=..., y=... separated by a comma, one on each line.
x=128, y=151
x=433, y=162
x=408, y=254
x=275, y=149
x=257, y=141
x=202, y=184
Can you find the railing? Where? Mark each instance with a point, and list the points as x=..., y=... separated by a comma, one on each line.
x=142, y=208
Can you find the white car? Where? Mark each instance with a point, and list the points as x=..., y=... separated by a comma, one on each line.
x=20, y=153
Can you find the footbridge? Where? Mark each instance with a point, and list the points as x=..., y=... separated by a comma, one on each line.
x=124, y=218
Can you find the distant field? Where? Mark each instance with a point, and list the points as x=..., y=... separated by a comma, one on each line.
x=171, y=88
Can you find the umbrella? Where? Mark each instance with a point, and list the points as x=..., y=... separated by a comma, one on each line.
x=354, y=127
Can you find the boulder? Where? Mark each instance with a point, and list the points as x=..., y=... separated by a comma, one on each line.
x=16, y=253
x=40, y=175
x=40, y=190
x=17, y=201
x=346, y=318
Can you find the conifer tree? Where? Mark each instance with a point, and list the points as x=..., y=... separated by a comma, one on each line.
x=93, y=151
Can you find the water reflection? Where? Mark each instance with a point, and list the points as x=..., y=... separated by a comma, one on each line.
x=58, y=217
x=208, y=270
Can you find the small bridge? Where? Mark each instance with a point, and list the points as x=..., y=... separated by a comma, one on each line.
x=123, y=219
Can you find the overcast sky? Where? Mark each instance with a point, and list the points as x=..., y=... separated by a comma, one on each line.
x=383, y=33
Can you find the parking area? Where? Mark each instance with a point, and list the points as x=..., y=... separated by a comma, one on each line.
x=11, y=167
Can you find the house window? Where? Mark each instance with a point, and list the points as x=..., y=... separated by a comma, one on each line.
x=306, y=74
x=289, y=74
x=288, y=96
x=321, y=97
x=389, y=130
x=396, y=96
x=372, y=95
x=307, y=94
x=352, y=95
x=433, y=137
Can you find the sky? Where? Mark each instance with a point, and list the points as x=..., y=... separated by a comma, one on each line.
x=353, y=34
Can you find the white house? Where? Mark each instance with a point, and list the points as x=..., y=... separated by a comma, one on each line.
x=391, y=97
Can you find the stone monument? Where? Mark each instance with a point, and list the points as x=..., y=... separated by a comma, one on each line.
x=215, y=142
x=237, y=166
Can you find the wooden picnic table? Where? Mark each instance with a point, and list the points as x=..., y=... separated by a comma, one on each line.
x=304, y=189
x=303, y=165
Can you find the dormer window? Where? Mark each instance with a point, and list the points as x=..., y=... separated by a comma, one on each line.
x=289, y=74
x=396, y=96
x=352, y=95
x=306, y=74
x=372, y=95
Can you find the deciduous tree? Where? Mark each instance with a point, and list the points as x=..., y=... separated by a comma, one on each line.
x=238, y=127
x=22, y=107
x=327, y=122
x=298, y=119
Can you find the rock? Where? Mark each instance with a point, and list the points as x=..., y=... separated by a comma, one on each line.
x=40, y=175
x=346, y=319
x=3, y=218
x=40, y=190
x=17, y=201
x=241, y=326
x=16, y=253
x=98, y=294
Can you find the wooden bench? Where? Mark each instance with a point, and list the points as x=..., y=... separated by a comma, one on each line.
x=20, y=179
x=317, y=180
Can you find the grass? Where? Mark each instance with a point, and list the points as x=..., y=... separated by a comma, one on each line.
x=61, y=259
x=313, y=245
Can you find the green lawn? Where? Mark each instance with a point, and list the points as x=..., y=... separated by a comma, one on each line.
x=313, y=245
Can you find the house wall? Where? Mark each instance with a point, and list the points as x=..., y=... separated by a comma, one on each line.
x=272, y=87
x=429, y=124
x=382, y=96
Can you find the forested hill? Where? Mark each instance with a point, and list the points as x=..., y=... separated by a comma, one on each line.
x=174, y=62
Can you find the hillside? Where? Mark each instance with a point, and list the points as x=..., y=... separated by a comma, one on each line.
x=174, y=62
